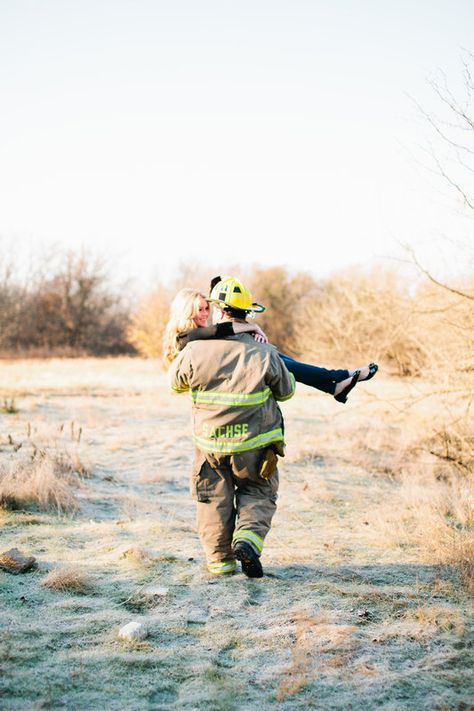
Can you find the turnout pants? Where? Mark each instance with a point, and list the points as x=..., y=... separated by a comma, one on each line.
x=233, y=504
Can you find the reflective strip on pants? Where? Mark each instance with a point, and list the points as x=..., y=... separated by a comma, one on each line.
x=222, y=567
x=249, y=537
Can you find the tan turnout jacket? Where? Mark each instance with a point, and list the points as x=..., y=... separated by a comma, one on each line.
x=233, y=383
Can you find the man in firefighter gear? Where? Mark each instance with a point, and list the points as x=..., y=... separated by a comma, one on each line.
x=234, y=384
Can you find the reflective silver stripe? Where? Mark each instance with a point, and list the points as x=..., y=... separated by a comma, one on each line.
x=203, y=397
x=287, y=397
x=250, y=537
x=227, y=446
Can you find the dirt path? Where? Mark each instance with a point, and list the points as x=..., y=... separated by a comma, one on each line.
x=344, y=619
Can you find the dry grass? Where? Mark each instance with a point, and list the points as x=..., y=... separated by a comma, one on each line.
x=319, y=645
x=139, y=555
x=434, y=515
x=45, y=482
x=419, y=436
x=8, y=407
x=422, y=622
x=433, y=463
x=68, y=579
x=354, y=612
x=73, y=462
x=438, y=616
x=43, y=467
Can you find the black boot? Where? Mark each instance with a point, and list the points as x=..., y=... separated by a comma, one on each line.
x=251, y=565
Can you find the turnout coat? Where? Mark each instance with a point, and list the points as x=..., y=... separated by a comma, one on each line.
x=234, y=384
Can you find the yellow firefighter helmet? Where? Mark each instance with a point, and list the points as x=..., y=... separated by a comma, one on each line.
x=230, y=292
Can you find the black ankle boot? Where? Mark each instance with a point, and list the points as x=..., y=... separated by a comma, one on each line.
x=251, y=565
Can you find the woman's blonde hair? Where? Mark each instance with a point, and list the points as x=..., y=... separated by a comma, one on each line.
x=184, y=308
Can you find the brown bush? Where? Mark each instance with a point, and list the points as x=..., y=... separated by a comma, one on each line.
x=285, y=298
x=446, y=323
x=356, y=317
x=66, y=305
x=147, y=325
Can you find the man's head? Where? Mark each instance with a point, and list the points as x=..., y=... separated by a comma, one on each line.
x=232, y=298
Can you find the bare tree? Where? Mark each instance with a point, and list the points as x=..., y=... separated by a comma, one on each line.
x=443, y=308
x=454, y=127
x=451, y=153
x=11, y=296
x=68, y=304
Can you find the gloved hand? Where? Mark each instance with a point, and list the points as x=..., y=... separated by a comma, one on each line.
x=269, y=461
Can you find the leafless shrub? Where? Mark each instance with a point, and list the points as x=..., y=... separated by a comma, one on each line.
x=284, y=296
x=445, y=321
x=362, y=316
x=453, y=446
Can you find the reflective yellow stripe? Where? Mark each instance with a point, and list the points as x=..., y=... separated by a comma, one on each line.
x=250, y=537
x=287, y=397
x=202, y=397
x=179, y=390
x=227, y=446
x=222, y=567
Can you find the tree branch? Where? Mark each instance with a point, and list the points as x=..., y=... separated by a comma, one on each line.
x=441, y=284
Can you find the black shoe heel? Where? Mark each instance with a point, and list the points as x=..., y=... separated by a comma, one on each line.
x=342, y=397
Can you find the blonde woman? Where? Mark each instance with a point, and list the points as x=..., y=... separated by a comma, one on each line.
x=189, y=321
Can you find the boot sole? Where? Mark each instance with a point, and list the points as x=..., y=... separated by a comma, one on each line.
x=251, y=565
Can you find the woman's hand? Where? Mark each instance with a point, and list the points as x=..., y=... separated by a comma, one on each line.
x=256, y=331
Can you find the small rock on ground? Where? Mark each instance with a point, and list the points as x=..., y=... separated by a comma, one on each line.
x=155, y=591
x=14, y=561
x=197, y=616
x=133, y=631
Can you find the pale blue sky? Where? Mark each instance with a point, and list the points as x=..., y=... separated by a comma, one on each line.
x=270, y=132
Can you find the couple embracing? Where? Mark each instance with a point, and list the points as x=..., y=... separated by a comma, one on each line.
x=236, y=379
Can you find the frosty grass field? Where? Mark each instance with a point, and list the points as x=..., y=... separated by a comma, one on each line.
x=354, y=612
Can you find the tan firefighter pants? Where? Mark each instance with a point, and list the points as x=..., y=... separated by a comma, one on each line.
x=233, y=503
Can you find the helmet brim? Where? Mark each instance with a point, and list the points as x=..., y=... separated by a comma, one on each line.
x=256, y=308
